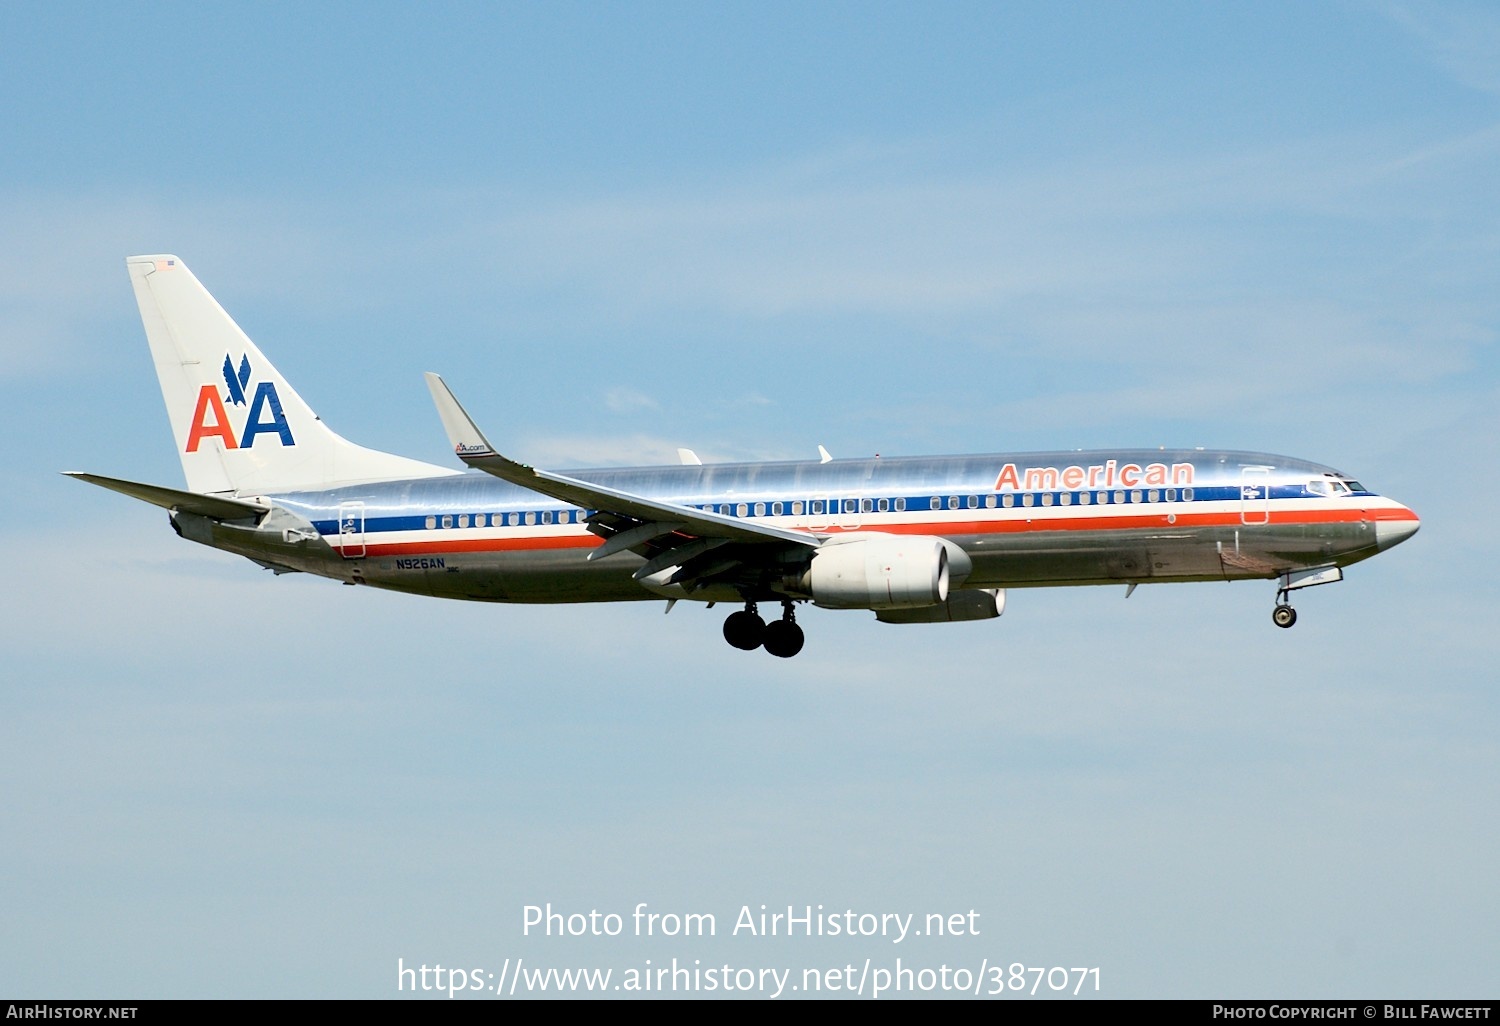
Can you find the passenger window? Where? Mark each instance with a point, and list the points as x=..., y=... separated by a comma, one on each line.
x=760, y=509
x=796, y=509
x=776, y=509
x=937, y=503
x=1028, y=499
x=866, y=505
x=900, y=505
x=1153, y=495
x=447, y=521
x=1083, y=498
x=530, y=519
x=1119, y=497
x=1135, y=496
x=989, y=502
x=431, y=523
x=463, y=520
x=1065, y=499
x=953, y=502
x=1046, y=498
x=1007, y=500
x=1187, y=495
x=884, y=505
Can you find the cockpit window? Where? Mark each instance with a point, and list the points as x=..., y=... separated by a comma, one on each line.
x=1330, y=485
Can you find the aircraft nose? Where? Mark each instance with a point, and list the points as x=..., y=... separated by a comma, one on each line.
x=1395, y=530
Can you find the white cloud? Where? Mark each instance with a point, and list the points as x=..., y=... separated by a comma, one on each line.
x=558, y=451
x=623, y=399
x=1462, y=37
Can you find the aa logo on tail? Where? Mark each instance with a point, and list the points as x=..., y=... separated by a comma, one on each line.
x=211, y=418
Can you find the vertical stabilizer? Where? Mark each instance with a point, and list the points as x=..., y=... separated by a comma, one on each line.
x=239, y=426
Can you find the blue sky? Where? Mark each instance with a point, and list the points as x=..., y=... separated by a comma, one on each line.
x=751, y=229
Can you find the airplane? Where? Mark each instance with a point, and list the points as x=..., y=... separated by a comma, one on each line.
x=911, y=539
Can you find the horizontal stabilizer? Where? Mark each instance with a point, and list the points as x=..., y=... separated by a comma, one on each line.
x=211, y=506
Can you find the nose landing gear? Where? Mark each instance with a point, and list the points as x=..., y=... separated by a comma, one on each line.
x=1283, y=615
x=746, y=630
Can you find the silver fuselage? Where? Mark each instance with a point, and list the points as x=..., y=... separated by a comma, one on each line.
x=1023, y=519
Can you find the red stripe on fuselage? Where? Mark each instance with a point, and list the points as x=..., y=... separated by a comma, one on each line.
x=1114, y=522
x=1015, y=522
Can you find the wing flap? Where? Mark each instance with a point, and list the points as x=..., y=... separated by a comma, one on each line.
x=631, y=537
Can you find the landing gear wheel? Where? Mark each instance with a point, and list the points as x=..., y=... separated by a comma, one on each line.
x=783, y=638
x=1284, y=616
x=745, y=629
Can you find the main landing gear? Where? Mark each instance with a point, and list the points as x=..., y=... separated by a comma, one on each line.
x=746, y=630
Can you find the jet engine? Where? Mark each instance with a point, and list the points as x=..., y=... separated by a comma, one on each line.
x=884, y=572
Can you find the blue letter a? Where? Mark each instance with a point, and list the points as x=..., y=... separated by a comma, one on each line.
x=265, y=395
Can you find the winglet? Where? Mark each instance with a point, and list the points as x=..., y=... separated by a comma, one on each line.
x=463, y=433
x=475, y=450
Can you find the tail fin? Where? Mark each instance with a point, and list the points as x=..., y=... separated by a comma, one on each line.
x=240, y=427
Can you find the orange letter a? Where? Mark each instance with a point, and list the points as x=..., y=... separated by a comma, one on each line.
x=208, y=399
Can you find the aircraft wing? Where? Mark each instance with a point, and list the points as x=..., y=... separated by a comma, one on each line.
x=694, y=545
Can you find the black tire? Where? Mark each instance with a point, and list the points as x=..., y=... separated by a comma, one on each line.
x=783, y=639
x=1284, y=616
x=744, y=630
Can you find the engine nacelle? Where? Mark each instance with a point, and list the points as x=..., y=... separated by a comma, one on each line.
x=971, y=604
x=882, y=572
